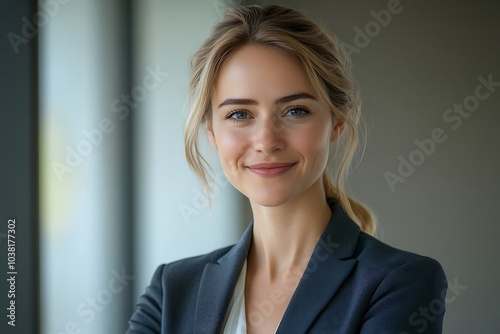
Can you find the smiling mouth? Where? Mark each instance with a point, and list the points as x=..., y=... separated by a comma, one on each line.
x=271, y=169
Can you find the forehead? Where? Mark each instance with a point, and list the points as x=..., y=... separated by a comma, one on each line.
x=261, y=72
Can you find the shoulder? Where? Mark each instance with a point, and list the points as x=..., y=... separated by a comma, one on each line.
x=171, y=295
x=178, y=288
x=374, y=258
x=186, y=270
x=372, y=253
x=401, y=289
x=179, y=276
x=386, y=270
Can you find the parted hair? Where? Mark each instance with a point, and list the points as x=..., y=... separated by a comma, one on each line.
x=290, y=31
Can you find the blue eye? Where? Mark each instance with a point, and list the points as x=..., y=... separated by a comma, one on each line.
x=239, y=115
x=297, y=112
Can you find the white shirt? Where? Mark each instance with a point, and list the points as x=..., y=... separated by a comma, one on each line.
x=236, y=321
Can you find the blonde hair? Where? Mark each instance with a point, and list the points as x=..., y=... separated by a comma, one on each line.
x=291, y=31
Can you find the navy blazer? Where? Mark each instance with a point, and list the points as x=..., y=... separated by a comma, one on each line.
x=353, y=283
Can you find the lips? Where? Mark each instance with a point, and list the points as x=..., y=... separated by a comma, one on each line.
x=271, y=169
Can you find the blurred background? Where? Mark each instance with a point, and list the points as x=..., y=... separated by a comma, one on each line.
x=94, y=172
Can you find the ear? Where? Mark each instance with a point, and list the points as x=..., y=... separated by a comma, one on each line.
x=337, y=130
x=210, y=132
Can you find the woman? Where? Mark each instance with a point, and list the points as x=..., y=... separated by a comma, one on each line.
x=278, y=105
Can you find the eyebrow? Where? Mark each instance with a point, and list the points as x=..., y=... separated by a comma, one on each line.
x=283, y=99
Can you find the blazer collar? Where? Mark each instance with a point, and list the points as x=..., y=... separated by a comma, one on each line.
x=217, y=285
x=328, y=267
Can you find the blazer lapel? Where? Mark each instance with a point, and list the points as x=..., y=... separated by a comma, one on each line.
x=329, y=266
x=217, y=285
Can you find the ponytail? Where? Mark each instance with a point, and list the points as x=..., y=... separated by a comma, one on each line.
x=357, y=211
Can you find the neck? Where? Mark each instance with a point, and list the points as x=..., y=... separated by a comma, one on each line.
x=284, y=237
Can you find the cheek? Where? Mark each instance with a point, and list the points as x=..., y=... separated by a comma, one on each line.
x=313, y=142
x=231, y=147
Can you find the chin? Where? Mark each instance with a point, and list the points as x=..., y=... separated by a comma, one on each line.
x=270, y=200
x=270, y=204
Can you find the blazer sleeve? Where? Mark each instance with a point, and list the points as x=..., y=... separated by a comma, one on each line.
x=410, y=299
x=146, y=318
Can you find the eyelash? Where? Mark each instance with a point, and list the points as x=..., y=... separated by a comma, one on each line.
x=229, y=115
x=304, y=109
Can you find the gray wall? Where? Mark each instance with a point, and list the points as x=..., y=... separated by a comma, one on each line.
x=84, y=214
x=411, y=72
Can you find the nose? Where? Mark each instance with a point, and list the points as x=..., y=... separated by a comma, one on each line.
x=269, y=136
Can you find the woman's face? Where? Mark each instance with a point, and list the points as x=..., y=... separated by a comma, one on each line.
x=271, y=130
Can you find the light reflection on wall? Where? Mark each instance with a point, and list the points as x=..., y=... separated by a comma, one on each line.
x=80, y=217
